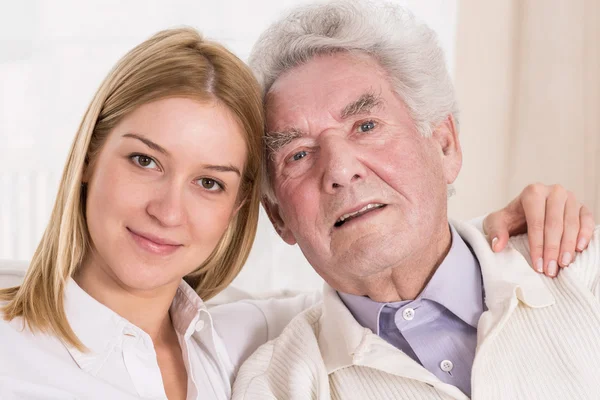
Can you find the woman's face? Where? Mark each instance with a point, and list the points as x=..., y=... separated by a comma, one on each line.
x=163, y=190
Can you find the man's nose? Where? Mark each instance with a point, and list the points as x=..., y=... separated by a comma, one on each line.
x=341, y=164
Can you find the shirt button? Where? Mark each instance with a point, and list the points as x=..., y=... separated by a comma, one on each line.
x=408, y=314
x=446, y=365
x=128, y=331
x=199, y=325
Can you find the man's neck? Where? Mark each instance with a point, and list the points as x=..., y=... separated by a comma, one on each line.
x=407, y=281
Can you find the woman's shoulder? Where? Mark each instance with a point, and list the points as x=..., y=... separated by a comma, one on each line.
x=18, y=341
x=16, y=333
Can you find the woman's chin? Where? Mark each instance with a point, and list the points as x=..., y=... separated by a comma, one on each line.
x=147, y=278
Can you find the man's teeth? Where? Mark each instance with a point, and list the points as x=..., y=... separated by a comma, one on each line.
x=362, y=210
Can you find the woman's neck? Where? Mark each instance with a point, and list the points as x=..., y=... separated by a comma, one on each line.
x=146, y=309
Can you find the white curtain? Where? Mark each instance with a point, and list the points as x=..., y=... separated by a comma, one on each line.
x=527, y=76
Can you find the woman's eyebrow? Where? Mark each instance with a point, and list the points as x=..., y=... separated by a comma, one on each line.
x=154, y=146
x=222, y=168
x=147, y=142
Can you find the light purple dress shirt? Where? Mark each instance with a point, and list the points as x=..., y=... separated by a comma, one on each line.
x=439, y=328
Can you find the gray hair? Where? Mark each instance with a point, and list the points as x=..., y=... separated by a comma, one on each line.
x=406, y=49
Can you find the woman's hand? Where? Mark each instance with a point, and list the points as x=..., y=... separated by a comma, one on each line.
x=557, y=224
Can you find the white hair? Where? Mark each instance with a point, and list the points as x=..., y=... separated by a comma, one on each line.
x=406, y=49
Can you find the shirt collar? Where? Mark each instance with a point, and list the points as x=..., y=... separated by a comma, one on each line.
x=101, y=330
x=364, y=310
x=456, y=285
x=185, y=310
x=343, y=342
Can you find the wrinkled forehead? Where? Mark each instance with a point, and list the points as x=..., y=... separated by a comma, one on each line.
x=325, y=85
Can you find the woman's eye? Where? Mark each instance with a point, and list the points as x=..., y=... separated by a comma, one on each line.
x=366, y=126
x=299, y=155
x=144, y=161
x=210, y=184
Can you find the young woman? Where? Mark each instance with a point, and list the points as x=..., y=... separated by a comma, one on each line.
x=161, y=183
x=157, y=209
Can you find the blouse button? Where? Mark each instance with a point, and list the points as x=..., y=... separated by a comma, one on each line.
x=199, y=325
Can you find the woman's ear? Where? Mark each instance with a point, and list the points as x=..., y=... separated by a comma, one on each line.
x=87, y=171
x=238, y=207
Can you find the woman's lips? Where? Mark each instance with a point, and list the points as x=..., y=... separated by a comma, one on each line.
x=154, y=245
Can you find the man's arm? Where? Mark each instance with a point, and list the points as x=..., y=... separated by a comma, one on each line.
x=247, y=324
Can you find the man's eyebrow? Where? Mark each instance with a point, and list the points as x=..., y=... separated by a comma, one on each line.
x=147, y=142
x=223, y=168
x=275, y=140
x=363, y=105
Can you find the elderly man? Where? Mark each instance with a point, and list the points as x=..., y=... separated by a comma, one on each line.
x=362, y=137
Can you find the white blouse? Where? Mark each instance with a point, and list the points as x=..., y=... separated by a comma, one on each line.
x=121, y=362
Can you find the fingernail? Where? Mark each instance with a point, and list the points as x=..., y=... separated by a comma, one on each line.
x=539, y=265
x=552, y=268
x=494, y=241
x=566, y=259
x=581, y=244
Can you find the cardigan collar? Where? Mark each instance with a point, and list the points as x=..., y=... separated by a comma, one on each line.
x=507, y=277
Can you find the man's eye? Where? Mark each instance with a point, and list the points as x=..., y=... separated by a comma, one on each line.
x=366, y=126
x=299, y=155
x=144, y=161
x=210, y=184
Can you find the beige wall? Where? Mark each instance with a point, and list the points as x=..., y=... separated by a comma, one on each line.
x=528, y=81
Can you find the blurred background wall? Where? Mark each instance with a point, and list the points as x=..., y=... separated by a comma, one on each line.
x=527, y=75
x=526, y=72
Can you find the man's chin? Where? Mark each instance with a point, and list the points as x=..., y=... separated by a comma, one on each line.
x=361, y=237
x=370, y=247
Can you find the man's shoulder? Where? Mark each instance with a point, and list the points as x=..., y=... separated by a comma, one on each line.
x=303, y=328
x=297, y=344
x=585, y=267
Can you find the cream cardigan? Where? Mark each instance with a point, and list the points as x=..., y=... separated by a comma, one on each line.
x=539, y=339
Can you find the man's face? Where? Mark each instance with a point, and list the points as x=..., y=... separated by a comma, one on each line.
x=357, y=186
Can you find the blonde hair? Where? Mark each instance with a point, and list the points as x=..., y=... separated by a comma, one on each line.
x=176, y=62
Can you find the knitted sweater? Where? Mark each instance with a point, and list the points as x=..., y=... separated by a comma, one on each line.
x=539, y=339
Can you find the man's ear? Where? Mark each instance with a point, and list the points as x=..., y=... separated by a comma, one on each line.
x=274, y=214
x=447, y=137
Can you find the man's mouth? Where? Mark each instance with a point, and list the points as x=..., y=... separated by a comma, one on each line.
x=355, y=214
